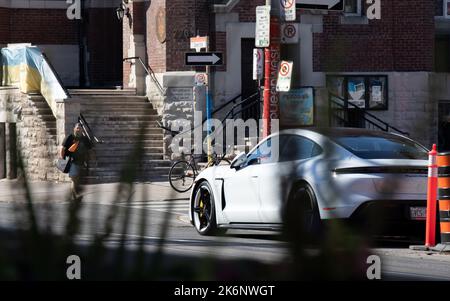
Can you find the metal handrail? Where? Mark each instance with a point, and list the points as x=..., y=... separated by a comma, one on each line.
x=150, y=72
x=84, y=123
x=223, y=120
x=386, y=125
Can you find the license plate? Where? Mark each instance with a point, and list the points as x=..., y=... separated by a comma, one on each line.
x=418, y=213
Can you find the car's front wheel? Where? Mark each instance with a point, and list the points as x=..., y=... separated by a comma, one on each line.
x=203, y=210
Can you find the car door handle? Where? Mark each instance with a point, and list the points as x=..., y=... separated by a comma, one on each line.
x=254, y=177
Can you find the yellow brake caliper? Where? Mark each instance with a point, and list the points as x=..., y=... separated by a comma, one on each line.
x=201, y=208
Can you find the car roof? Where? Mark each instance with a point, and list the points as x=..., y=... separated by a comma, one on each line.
x=340, y=131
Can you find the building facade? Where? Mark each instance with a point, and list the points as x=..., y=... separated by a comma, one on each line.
x=395, y=68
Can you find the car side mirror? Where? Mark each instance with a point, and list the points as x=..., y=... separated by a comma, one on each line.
x=239, y=161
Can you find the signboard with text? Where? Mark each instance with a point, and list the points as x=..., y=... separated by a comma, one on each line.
x=262, y=34
x=297, y=107
x=199, y=43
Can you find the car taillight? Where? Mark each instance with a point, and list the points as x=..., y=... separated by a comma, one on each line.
x=382, y=169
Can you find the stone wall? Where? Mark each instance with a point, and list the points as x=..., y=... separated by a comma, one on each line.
x=37, y=146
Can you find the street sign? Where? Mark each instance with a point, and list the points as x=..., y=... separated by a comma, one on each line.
x=289, y=33
x=198, y=43
x=258, y=64
x=201, y=79
x=262, y=35
x=337, y=5
x=204, y=58
x=284, y=76
x=288, y=9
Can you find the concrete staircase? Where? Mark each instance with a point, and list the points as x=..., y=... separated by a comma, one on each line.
x=39, y=108
x=116, y=117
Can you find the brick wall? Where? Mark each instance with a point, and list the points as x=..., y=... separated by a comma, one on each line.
x=184, y=19
x=40, y=26
x=402, y=40
x=4, y=26
x=156, y=51
x=247, y=9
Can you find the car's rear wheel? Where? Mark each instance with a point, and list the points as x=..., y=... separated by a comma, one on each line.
x=301, y=217
x=203, y=210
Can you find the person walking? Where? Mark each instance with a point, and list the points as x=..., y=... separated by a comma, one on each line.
x=76, y=146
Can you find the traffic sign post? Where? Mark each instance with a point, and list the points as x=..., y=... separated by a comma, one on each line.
x=272, y=58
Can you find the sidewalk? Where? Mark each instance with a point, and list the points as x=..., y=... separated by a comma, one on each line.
x=12, y=190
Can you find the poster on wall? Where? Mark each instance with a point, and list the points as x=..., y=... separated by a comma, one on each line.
x=377, y=93
x=356, y=88
x=297, y=107
x=336, y=86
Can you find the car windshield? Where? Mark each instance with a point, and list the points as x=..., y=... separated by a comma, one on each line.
x=382, y=147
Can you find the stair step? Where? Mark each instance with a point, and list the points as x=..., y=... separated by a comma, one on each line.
x=118, y=117
x=126, y=91
x=125, y=154
x=116, y=104
x=113, y=142
x=116, y=178
x=86, y=98
x=128, y=148
x=149, y=133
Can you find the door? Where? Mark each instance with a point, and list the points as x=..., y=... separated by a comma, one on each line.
x=241, y=188
x=248, y=85
x=241, y=195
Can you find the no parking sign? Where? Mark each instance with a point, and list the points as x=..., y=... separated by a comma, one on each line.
x=258, y=64
x=201, y=79
x=284, y=76
x=289, y=33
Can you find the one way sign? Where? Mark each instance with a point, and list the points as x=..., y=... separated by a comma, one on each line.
x=204, y=58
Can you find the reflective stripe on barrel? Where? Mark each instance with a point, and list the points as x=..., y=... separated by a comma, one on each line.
x=443, y=161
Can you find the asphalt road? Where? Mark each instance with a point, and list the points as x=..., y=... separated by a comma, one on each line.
x=170, y=214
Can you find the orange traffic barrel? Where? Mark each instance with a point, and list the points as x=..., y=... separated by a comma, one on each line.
x=443, y=161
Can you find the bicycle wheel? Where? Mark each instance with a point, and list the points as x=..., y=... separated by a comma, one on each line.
x=181, y=176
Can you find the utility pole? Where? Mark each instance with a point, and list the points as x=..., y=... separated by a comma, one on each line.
x=272, y=59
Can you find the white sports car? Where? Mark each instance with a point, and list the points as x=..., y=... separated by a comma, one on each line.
x=335, y=172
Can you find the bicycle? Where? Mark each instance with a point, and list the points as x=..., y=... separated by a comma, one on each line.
x=183, y=172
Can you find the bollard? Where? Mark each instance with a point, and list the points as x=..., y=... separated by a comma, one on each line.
x=443, y=161
x=430, y=234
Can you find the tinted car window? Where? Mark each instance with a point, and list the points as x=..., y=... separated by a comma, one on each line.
x=267, y=152
x=298, y=148
x=384, y=147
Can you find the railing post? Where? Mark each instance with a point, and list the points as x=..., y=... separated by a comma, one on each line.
x=2, y=150
x=11, y=152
